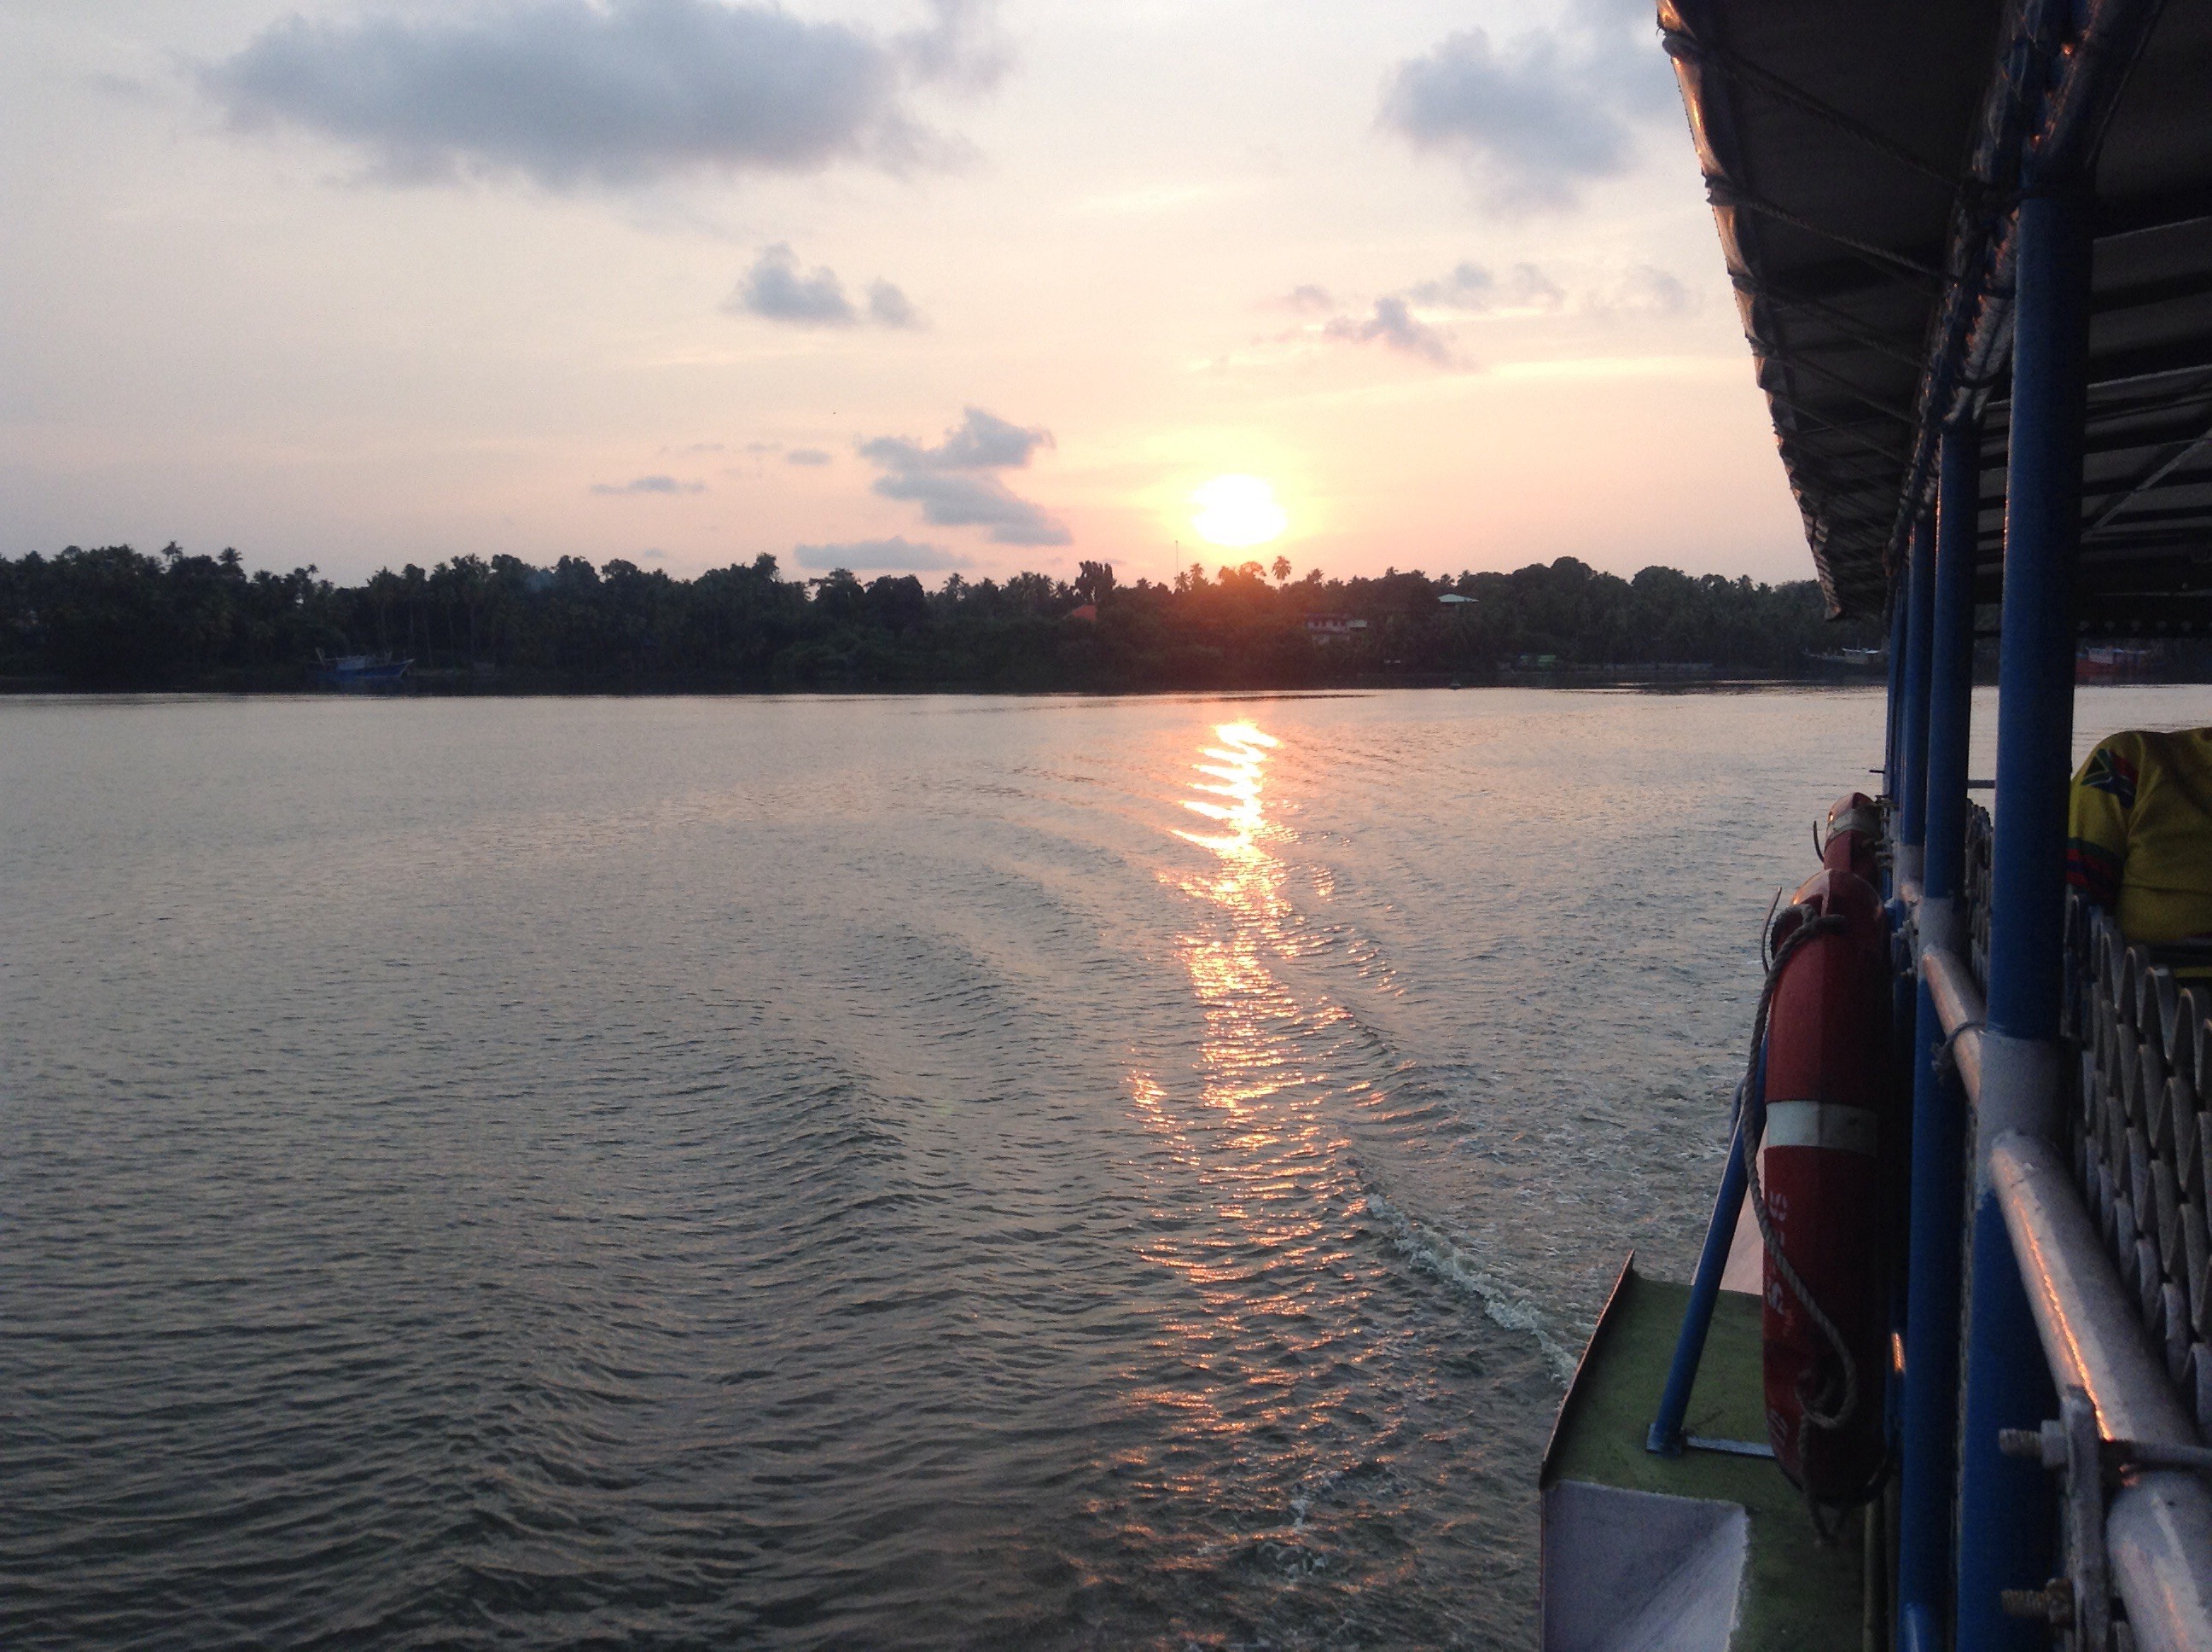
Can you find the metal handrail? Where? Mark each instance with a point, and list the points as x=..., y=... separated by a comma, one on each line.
x=2158, y=1531
x=1959, y=1006
x=2094, y=1342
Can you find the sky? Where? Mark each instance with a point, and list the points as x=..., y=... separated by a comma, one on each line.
x=921, y=285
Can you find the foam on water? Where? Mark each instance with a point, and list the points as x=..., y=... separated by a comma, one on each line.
x=1434, y=1252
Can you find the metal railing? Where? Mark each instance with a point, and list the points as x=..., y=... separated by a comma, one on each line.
x=2108, y=1223
x=2139, y=1144
x=2120, y=1431
x=2141, y=1158
x=1976, y=902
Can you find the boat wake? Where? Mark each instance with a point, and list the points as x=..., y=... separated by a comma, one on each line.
x=1436, y=1253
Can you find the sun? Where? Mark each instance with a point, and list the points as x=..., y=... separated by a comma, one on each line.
x=1238, y=511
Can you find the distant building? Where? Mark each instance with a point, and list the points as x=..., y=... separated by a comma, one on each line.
x=1088, y=611
x=1453, y=599
x=1333, y=627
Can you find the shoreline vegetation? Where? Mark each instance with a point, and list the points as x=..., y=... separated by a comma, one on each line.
x=115, y=618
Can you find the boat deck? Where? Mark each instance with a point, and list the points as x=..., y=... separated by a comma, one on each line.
x=1796, y=1594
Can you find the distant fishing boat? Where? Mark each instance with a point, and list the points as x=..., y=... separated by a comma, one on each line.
x=360, y=670
x=1857, y=660
x=2112, y=665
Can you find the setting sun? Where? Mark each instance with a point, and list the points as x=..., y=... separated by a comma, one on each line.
x=1238, y=511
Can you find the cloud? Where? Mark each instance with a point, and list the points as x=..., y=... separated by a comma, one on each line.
x=976, y=501
x=1539, y=117
x=952, y=483
x=890, y=307
x=649, y=485
x=1527, y=287
x=1473, y=288
x=777, y=289
x=568, y=92
x=981, y=441
x=1307, y=297
x=806, y=456
x=961, y=48
x=1643, y=290
x=1469, y=287
x=127, y=89
x=774, y=288
x=1392, y=323
x=1403, y=320
x=893, y=555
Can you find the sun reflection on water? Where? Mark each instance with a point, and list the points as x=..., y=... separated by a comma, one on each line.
x=1258, y=1138
x=1234, y=772
x=1228, y=964
x=1272, y=1296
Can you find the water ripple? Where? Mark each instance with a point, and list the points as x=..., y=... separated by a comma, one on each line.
x=834, y=1173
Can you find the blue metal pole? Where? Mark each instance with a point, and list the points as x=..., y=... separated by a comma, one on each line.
x=1929, y=1455
x=2035, y=680
x=1889, y=752
x=2005, y=1502
x=1919, y=605
x=1666, y=1435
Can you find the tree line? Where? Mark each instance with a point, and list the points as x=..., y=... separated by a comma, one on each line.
x=115, y=617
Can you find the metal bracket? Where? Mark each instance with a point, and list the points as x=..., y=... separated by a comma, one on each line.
x=2122, y=1454
x=2078, y=1606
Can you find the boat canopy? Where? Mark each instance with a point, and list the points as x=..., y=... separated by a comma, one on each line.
x=1864, y=163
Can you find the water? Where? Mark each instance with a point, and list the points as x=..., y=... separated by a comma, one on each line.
x=850, y=1173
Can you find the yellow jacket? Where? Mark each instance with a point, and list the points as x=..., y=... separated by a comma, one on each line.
x=2139, y=832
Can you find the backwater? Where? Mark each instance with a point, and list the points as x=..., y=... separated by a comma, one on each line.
x=816, y=1172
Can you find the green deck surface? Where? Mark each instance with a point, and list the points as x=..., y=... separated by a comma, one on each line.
x=1798, y=1595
